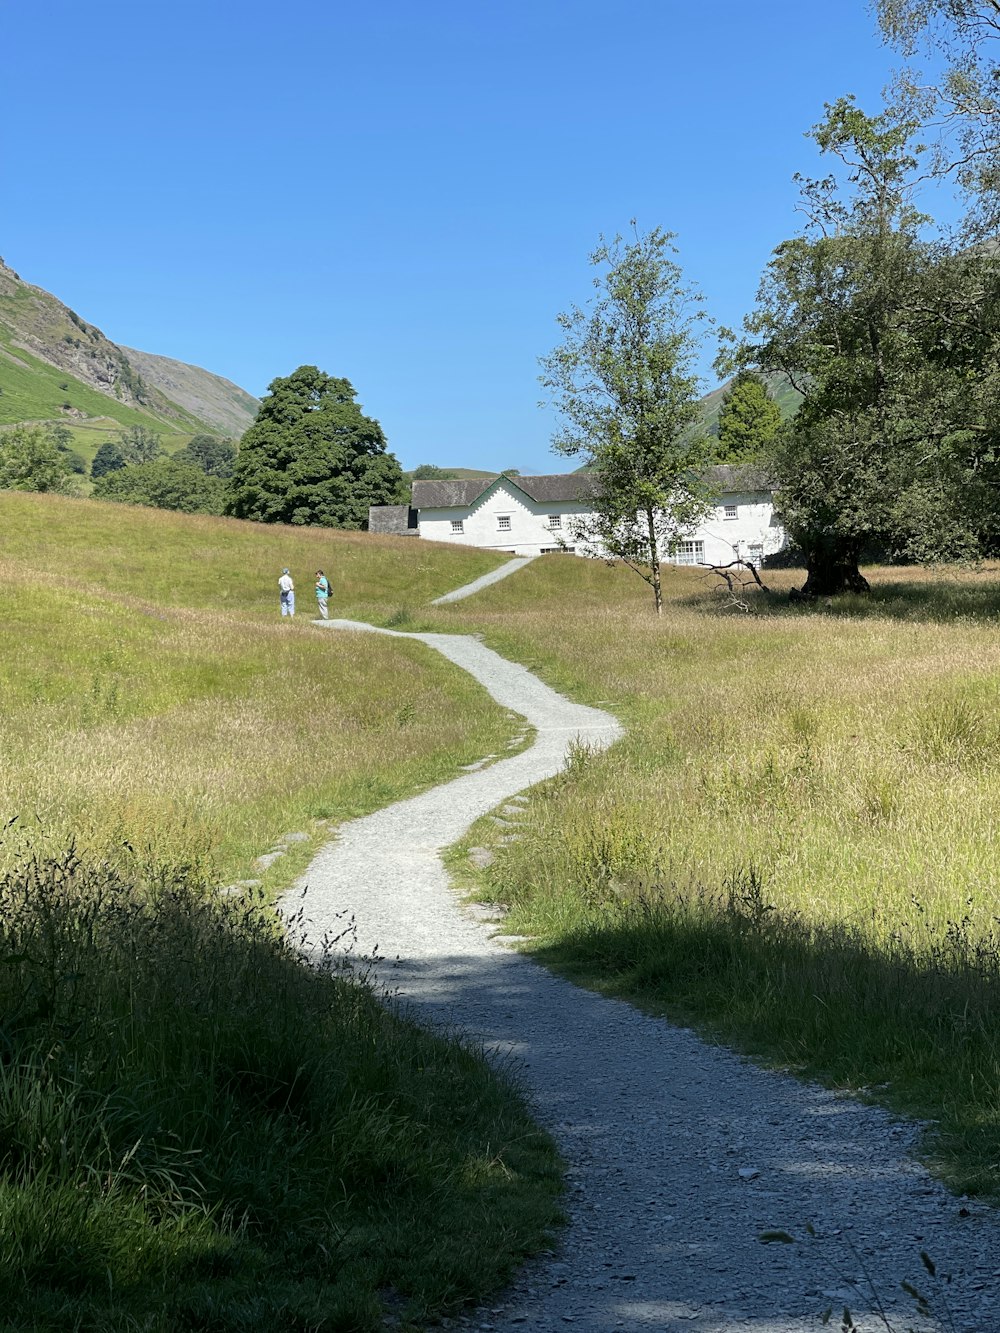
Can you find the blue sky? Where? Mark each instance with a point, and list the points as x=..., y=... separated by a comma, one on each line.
x=405, y=194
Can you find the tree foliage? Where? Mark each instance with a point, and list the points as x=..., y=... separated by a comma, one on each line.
x=313, y=457
x=960, y=105
x=214, y=456
x=624, y=385
x=892, y=340
x=431, y=472
x=164, y=483
x=109, y=458
x=32, y=459
x=748, y=420
x=140, y=445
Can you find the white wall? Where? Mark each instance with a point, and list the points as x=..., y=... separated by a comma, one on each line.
x=722, y=539
x=528, y=531
x=754, y=526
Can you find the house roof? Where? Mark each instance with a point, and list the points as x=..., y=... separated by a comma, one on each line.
x=395, y=520
x=725, y=478
x=454, y=494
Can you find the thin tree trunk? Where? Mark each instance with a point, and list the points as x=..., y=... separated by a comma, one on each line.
x=654, y=561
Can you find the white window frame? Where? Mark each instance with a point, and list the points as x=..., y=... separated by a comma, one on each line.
x=503, y=522
x=689, y=552
x=730, y=511
x=457, y=527
x=555, y=522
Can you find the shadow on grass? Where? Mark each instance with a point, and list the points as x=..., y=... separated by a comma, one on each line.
x=197, y=1130
x=913, y=1019
x=942, y=599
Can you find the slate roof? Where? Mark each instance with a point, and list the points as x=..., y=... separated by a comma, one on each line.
x=559, y=486
x=455, y=494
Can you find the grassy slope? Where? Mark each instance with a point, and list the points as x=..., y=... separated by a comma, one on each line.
x=159, y=712
x=795, y=846
x=143, y=637
x=33, y=391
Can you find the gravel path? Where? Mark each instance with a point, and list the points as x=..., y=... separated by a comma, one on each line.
x=484, y=581
x=680, y=1153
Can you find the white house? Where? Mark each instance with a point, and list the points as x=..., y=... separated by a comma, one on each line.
x=534, y=515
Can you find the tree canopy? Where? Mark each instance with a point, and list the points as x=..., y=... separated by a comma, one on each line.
x=33, y=458
x=214, y=456
x=109, y=458
x=626, y=391
x=748, y=420
x=960, y=105
x=164, y=483
x=313, y=457
x=892, y=340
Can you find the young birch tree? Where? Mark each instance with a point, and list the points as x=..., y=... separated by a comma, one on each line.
x=624, y=385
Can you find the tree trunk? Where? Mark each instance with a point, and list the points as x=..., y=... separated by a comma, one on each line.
x=654, y=561
x=831, y=568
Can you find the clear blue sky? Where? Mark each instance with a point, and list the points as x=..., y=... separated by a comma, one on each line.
x=404, y=194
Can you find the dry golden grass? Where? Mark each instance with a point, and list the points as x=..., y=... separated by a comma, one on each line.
x=152, y=696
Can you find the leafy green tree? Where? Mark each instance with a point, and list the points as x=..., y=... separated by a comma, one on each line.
x=109, y=458
x=624, y=384
x=313, y=457
x=431, y=472
x=164, y=483
x=140, y=445
x=960, y=108
x=214, y=456
x=748, y=420
x=31, y=460
x=888, y=337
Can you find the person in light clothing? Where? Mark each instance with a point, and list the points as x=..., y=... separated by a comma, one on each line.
x=287, y=588
x=322, y=594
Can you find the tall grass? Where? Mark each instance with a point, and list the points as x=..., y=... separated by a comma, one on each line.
x=151, y=695
x=198, y=1131
x=843, y=761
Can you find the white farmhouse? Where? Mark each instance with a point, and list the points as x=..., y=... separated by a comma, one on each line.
x=535, y=515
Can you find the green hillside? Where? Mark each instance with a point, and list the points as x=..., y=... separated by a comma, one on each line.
x=778, y=388
x=56, y=367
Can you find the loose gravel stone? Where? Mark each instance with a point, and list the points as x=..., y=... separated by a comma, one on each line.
x=682, y=1156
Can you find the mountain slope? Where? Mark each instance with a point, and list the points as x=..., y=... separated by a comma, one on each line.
x=217, y=401
x=54, y=366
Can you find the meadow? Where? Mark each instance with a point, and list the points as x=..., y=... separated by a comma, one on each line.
x=196, y=1130
x=795, y=846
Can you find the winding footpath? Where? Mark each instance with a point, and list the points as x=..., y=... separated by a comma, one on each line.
x=680, y=1154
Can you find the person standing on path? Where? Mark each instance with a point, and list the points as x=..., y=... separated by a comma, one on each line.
x=287, y=588
x=322, y=594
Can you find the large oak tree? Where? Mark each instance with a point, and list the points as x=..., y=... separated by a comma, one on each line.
x=313, y=457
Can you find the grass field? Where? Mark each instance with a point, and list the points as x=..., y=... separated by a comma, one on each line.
x=795, y=846
x=196, y=1131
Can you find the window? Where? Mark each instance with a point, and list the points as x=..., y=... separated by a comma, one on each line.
x=555, y=522
x=730, y=511
x=503, y=522
x=457, y=526
x=689, y=553
x=557, y=550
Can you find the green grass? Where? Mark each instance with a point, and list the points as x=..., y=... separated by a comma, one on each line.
x=795, y=844
x=153, y=696
x=196, y=1130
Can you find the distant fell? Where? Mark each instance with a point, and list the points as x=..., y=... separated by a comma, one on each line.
x=209, y=397
x=56, y=366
